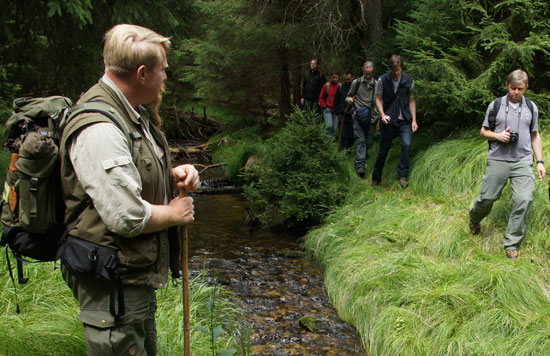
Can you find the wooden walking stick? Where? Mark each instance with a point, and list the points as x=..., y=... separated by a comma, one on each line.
x=342, y=127
x=184, y=243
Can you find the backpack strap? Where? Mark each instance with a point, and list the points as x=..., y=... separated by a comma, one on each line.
x=492, y=118
x=327, y=88
x=355, y=88
x=532, y=109
x=97, y=106
x=17, y=308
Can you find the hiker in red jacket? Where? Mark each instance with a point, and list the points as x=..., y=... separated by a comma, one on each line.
x=329, y=101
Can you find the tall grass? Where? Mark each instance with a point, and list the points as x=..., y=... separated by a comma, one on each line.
x=402, y=266
x=48, y=323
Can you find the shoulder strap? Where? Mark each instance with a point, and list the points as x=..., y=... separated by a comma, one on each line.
x=354, y=86
x=106, y=110
x=327, y=87
x=530, y=106
x=492, y=118
x=372, y=102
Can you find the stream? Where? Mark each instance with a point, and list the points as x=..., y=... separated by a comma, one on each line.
x=267, y=271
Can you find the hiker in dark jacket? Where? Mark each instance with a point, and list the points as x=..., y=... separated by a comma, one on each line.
x=119, y=194
x=397, y=106
x=345, y=123
x=312, y=84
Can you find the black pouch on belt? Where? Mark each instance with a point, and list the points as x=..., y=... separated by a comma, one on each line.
x=94, y=260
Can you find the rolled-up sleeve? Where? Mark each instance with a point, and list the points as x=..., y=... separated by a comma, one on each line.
x=103, y=164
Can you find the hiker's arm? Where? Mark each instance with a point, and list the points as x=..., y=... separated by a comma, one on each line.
x=536, y=144
x=380, y=106
x=179, y=211
x=490, y=135
x=412, y=107
x=350, y=98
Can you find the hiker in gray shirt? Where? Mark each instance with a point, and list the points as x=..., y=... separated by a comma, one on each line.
x=511, y=127
x=361, y=94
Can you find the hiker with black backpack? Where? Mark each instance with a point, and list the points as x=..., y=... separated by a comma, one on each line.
x=311, y=86
x=118, y=186
x=365, y=115
x=511, y=128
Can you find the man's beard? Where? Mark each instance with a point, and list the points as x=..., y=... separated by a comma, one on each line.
x=155, y=105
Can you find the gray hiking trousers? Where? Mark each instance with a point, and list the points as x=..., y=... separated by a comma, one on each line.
x=522, y=181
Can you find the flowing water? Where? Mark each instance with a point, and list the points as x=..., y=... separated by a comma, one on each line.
x=267, y=271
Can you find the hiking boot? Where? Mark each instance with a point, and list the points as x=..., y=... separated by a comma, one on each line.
x=475, y=228
x=512, y=253
x=374, y=183
x=403, y=182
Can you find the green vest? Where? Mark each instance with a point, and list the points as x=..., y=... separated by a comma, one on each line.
x=144, y=259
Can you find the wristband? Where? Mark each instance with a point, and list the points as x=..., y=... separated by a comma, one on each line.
x=541, y=161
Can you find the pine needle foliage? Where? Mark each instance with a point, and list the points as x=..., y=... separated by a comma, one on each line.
x=301, y=176
x=237, y=56
x=460, y=52
x=402, y=266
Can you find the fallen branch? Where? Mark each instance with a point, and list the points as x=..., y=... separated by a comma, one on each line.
x=210, y=166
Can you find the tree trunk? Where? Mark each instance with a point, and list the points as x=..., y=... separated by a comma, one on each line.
x=284, y=99
x=372, y=16
x=297, y=75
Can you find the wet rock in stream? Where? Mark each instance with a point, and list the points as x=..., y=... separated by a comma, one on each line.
x=276, y=285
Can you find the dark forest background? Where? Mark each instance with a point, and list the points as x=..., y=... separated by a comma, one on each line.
x=252, y=55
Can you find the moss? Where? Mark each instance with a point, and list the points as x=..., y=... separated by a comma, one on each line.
x=309, y=322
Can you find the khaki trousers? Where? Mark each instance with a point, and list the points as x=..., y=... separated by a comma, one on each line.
x=136, y=335
x=522, y=181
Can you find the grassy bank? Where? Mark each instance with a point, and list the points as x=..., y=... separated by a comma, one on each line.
x=403, y=268
x=48, y=323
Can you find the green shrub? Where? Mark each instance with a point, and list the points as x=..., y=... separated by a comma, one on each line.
x=301, y=175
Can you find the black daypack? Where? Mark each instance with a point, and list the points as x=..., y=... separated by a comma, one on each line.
x=32, y=206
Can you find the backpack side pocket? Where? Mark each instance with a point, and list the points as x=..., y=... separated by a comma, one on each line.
x=38, y=189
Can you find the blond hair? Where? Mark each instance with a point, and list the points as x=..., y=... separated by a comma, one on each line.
x=518, y=76
x=129, y=46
